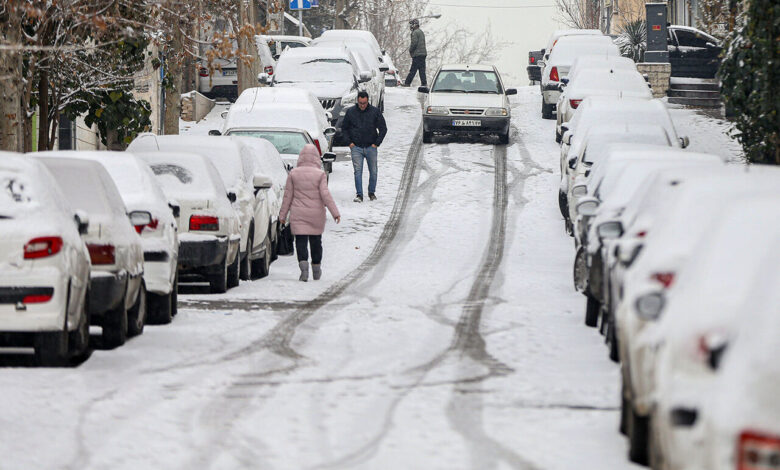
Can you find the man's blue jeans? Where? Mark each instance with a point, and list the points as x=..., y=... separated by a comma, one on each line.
x=369, y=154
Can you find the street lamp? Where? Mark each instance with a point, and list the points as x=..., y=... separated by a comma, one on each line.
x=437, y=16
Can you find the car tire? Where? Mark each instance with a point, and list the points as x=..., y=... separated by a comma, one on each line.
x=245, y=272
x=160, y=307
x=637, y=428
x=136, y=316
x=382, y=105
x=563, y=204
x=219, y=280
x=612, y=341
x=503, y=139
x=78, y=339
x=623, y=426
x=592, y=307
x=115, y=326
x=427, y=137
x=51, y=348
x=547, y=111
x=558, y=136
x=175, y=295
x=234, y=272
x=655, y=456
x=262, y=267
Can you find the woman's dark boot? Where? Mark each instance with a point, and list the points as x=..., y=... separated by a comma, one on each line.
x=316, y=270
x=304, y=265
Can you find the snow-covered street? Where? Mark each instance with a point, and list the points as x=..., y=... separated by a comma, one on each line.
x=445, y=334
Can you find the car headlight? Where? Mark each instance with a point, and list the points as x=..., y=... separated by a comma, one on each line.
x=437, y=110
x=650, y=306
x=496, y=112
x=349, y=98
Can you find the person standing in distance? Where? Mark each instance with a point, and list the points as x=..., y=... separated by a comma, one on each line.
x=365, y=129
x=418, y=52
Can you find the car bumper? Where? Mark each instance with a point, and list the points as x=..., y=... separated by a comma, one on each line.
x=534, y=73
x=197, y=254
x=159, y=271
x=16, y=316
x=106, y=291
x=488, y=125
x=550, y=94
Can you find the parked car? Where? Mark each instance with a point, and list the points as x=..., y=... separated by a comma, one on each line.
x=209, y=228
x=331, y=74
x=274, y=108
x=598, y=62
x=533, y=69
x=117, y=295
x=235, y=163
x=140, y=192
x=221, y=81
x=599, y=82
x=693, y=53
x=556, y=68
x=393, y=75
x=368, y=65
x=279, y=43
x=467, y=99
x=45, y=269
x=357, y=36
x=558, y=34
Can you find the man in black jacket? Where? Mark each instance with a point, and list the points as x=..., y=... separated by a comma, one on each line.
x=365, y=129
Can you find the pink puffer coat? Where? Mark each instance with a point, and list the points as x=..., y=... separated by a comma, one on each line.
x=306, y=195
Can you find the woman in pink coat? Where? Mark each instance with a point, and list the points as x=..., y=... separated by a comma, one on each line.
x=306, y=196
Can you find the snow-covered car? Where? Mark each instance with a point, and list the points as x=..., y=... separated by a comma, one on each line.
x=279, y=43
x=45, y=270
x=209, y=228
x=598, y=62
x=556, y=35
x=556, y=68
x=117, y=296
x=235, y=163
x=722, y=287
x=356, y=36
x=330, y=73
x=599, y=82
x=393, y=75
x=275, y=108
x=141, y=193
x=269, y=163
x=367, y=65
x=467, y=99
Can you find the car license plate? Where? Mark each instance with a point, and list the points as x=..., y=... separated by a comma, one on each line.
x=467, y=123
x=230, y=72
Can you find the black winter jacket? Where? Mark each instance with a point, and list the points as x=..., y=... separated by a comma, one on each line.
x=364, y=128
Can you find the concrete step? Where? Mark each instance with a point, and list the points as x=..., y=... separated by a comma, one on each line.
x=696, y=102
x=701, y=86
x=694, y=93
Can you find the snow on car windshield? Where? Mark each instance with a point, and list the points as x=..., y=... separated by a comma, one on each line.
x=465, y=81
x=284, y=141
x=180, y=182
x=291, y=70
x=16, y=194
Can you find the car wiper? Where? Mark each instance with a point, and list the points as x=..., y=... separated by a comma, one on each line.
x=448, y=90
x=483, y=91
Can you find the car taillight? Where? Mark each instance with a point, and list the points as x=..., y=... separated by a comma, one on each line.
x=758, y=451
x=317, y=144
x=641, y=234
x=203, y=72
x=554, y=75
x=575, y=103
x=42, y=247
x=532, y=60
x=204, y=222
x=36, y=299
x=269, y=69
x=101, y=254
x=152, y=226
x=666, y=279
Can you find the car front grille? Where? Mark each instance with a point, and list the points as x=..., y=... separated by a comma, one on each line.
x=467, y=111
x=328, y=103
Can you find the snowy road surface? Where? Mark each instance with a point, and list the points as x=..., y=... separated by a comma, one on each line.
x=445, y=334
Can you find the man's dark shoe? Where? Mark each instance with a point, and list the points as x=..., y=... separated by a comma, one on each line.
x=372, y=196
x=358, y=198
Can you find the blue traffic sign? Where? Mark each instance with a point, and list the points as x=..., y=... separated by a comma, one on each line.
x=300, y=4
x=315, y=3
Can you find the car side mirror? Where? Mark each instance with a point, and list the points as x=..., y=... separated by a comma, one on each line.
x=565, y=81
x=587, y=206
x=82, y=221
x=223, y=114
x=423, y=89
x=573, y=162
x=609, y=230
x=261, y=182
x=264, y=78
x=328, y=116
x=685, y=142
x=175, y=209
x=711, y=44
x=561, y=86
x=564, y=128
x=510, y=92
x=329, y=132
x=365, y=77
x=214, y=132
x=567, y=136
x=140, y=218
x=232, y=196
x=543, y=51
x=329, y=157
x=384, y=68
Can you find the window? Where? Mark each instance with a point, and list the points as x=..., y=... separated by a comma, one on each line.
x=66, y=134
x=692, y=39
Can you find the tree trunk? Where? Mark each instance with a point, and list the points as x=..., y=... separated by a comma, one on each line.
x=43, y=111
x=10, y=79
x=341, y=12
x=246, y=48
x=173, y=93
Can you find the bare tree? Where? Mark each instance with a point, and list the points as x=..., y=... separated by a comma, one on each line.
x=578, y=14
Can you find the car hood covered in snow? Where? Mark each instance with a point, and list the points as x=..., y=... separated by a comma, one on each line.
x=321, y=89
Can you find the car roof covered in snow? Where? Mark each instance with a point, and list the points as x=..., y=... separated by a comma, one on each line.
x=477, y=67
x=362, y=51
x=286, y=115
x=323, y=52
x=27, y=188
x=353, y=34
x=600, y=61
x=568, y=48
x=600, y=138
x=613, y=82
x=260, y=95
x=570, y=32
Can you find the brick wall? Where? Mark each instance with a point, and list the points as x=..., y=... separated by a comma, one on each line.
x=658, y=74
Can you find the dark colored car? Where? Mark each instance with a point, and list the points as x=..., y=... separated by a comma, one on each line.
x=534, y=69
x=693, y=53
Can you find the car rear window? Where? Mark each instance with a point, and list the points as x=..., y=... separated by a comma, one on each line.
x=285, y=142
x=183, y=180
x=85, y=189
x=17, y=194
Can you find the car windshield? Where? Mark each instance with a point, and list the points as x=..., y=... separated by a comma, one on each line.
x=299, y=69
x=16, y=194
x=465, y=81
x=286, y=142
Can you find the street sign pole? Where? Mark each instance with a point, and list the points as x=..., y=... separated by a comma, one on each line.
x=300, y=22
x=301, y=5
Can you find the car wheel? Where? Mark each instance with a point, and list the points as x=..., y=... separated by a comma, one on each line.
x=427, y=137
x=558, y=136
x=245, y=273
x=234, y=271
x=592, y=307
x=547, y=111
x=160, y=307
x=175, y=295
x=51, y=348
x=263, y=266
x=136, y=316
x=275, y=246
x=115, y=326
x=623, y=426
x=563, y=204
x=637, y=427
x=218, y=281
x=612, y=340
x=78, y=339
x=655, y=456
x=503, y=139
